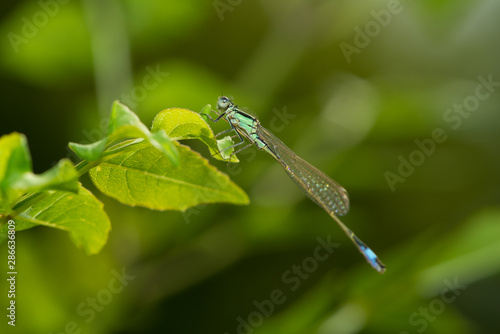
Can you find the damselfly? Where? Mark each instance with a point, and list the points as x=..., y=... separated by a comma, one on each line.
x=321, y=189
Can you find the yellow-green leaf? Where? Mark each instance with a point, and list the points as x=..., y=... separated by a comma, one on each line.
x=81, y=215
x=181, y=124
x=124, y=124
x=145, y=177
x=17, y=177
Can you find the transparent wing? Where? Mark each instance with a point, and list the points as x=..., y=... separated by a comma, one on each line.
x=324, y=191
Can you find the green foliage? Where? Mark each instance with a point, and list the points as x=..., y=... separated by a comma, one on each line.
x=16, y=173
x=145, y=177
x=80, y=214
x=183, y=124
x=131, y=164
x=353, y=120
x=123, y=124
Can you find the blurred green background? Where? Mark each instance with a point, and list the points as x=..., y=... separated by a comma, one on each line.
x=360, y=83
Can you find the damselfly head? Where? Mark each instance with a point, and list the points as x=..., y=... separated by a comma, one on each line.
x=223, y=103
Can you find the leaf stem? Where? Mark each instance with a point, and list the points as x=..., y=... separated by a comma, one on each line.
x=82, y=167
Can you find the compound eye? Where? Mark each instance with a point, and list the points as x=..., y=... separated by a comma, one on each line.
x=223, y=103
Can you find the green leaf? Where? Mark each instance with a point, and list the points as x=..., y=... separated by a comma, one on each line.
x=181, y=124
x=144, y=177
x=80, y=214
x=14, y=156
x=162, y=142
x=62, y=176
x=225, y=148
x=90, y=152
x=15, y=161
x=17, y=178
x=124, y=124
